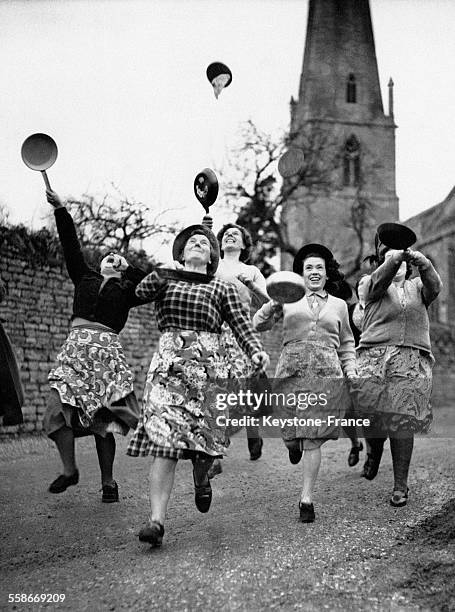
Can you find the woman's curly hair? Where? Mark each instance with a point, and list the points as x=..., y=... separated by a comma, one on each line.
x=247, y=240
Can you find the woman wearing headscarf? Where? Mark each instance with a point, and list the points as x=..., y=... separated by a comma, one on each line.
x=395, y=361
x=318, y=353
x=91, y=383
x=11, y=392
x=188, y=371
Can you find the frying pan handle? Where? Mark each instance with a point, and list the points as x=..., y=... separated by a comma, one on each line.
x=46, y=180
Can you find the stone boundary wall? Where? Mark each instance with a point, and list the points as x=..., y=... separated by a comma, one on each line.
x=36, y=315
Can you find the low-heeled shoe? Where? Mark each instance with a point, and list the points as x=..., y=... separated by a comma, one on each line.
x=152, y=534
x=61, y=483
x=202, y=496
x=110, y=493
x=306, y=513
x=399, y=498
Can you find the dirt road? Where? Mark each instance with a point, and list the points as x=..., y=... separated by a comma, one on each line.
x=248, y=553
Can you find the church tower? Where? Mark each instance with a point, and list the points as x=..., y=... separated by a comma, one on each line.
x=339, y=121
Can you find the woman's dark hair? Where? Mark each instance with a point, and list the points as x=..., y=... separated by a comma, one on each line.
x=334, y=276
x=247, y=240
x=381, y=260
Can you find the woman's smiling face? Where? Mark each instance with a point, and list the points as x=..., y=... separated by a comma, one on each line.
x=197, y=249
x=232, y=240
x=314, y=273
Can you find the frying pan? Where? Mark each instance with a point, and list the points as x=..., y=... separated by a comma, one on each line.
x=285, y=287
x=206, y=188
x=291, y=162
x=39, y=152
x=396, y=236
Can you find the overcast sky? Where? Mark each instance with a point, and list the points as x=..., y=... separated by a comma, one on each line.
x=121, y=87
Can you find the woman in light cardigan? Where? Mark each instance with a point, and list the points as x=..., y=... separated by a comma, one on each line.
x=317, y=355
x=235, y=246
x=395, y=360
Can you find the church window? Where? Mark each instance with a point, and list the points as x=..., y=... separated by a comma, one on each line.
x=351, y=162
x=351, y=89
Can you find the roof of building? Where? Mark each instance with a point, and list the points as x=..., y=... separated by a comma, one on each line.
x=436, y=221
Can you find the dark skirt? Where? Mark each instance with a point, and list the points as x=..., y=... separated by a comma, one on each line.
x=11, y=393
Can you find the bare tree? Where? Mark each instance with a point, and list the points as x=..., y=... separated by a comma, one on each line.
x=254, y=190
x=257, y=194
x=118, y=223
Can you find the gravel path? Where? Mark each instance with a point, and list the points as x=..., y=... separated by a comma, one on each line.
x=248, y=553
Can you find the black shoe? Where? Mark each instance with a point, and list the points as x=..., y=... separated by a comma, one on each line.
x=295, y=454
x=371, y=466
x=399, y=498
x=353, y=457
x=306, y=513
x=153, y=534
x=202, y=495
x=255, y=447
x=61, y=483
x=110, y=493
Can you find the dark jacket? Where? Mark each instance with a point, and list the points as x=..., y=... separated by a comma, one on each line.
x=111, y=304
x=11, y=392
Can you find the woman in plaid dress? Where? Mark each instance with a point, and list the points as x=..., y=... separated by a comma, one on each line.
x=179, y=414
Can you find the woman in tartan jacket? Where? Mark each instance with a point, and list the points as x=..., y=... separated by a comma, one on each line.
x=179, y=412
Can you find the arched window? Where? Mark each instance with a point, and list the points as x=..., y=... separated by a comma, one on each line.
x=351, y=162
x=351, y=89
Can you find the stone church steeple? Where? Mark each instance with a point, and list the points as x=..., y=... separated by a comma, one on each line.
x=340, y=98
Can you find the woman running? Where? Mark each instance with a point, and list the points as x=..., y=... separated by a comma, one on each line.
x=91, y=383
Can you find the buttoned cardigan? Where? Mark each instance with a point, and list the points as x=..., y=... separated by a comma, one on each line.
x=397, y=318
x=330, y=327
